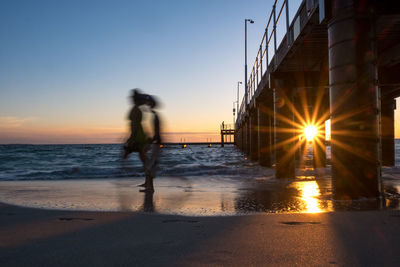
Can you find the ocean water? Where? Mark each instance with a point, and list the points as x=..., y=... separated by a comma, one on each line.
x=197, y=180
x=67, y=162
x=103, y=161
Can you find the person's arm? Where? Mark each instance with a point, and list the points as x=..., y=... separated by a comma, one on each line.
x=157, y=137
x=136, y=118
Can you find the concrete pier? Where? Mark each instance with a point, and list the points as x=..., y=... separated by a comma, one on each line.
x=265, y=133
x=338, y=60
x=354, y=102
x=247, y=136
x=284, y=136
x=319, y=149
x=387, y=125
x=254, y=130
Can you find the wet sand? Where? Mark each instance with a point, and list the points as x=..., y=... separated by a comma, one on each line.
x=197, y=196
x=39, y=237
x=188, y=222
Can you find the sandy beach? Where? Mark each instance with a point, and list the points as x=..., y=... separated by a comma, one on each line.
x=207, y=220
x=271, y=130
x=39, y=237
x=109, y=223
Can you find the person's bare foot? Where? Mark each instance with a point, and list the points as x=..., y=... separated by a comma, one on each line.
x=147, y=190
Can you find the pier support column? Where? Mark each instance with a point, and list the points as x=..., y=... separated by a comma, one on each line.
x=243, y=136
x=284, y=132
x=319, y=149
x=354, y=101
x=246, y=138
x=240, y=137
x=235, y=138
x=264, y=135
x=250, y=135
x=387, y=130
x=300, y=106
x=254, y=135
x=322, y=108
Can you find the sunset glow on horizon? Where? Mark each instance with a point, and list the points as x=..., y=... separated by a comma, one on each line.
x=65, y=80
x=32, y=134
x=66, y=72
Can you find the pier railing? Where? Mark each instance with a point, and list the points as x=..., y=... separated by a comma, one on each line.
x=267, y=62
x=227, y=126
x=227, y=133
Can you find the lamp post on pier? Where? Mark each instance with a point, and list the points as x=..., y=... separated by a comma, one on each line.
x=237, y=106
x=245, y=58
x=237, y=100
x=234, y=114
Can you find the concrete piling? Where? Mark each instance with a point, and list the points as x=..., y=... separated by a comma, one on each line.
x=387, y=131
x=284, y=132
x=354, y=102
x=265, y=133
x=338, y=61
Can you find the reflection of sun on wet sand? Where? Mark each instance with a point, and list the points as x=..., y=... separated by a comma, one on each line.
x=196, y=196
x=186, y=231
x=309, y=193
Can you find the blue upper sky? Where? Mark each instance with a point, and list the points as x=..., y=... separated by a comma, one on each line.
x=66, y=67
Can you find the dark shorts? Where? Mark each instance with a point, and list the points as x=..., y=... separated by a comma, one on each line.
x=133, y=146
x=130, y=147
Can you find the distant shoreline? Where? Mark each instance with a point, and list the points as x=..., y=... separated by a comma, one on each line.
x=90, y=144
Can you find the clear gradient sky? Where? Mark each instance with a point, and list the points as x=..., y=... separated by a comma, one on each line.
x=66, y=66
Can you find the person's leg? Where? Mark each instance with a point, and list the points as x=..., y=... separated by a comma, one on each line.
x=149, y=183
x=142, y=156
x=149, y=166
x=145, y=161
x=154, y=159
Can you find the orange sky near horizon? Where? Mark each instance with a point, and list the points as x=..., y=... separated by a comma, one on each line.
x=14, y=130
x=31, y=130
x=67, y=68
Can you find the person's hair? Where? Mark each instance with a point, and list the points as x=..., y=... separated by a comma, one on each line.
x=152, y=102
x=143, y=99
x=136, y=95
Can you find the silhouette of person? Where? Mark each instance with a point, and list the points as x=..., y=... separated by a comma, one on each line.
x=154, y=147
x=148, y=204
x=137, y=142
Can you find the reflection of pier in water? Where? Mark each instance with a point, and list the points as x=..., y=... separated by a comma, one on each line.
x=337, y=60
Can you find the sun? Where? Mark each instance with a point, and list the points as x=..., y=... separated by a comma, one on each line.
x=310, y=131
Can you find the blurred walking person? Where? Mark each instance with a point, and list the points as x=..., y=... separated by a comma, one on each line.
x=138, y=140
x=154, y=149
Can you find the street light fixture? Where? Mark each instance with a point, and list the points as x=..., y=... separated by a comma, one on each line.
x=237, y=102
x=234, y=112
x=245, y=58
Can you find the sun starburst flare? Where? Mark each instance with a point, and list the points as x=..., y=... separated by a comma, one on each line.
x=310, y=131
